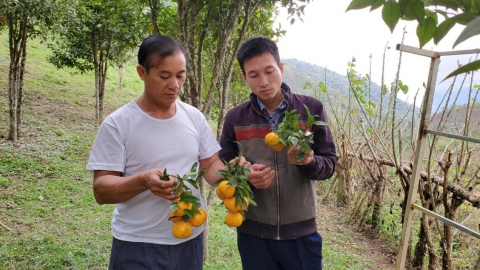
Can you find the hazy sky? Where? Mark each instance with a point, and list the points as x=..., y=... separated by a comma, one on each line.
x=330, y=37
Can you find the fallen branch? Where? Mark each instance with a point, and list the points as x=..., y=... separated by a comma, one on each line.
x=457, y=190
x=5, y=226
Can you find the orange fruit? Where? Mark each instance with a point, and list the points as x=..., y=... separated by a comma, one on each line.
x=181, y=206
x=174, y=219
x=226, y=191
x=271, y=139
x=233, y=219
x=278, y=147
x=219, y=193
x=229, y=203
x=182, y=229
x=242, y=207
x=198, y=219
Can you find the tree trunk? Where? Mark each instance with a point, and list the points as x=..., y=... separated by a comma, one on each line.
x=447, y=240
x=343, y=180
x=420, y=249
x=100, y=62
x=17, y=39
x=224, y=97
x=228, y=25
x=187, y=19
x=120, y=77
x=378, y=202
x=154, y=11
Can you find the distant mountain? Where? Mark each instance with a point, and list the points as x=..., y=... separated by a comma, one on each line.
x=460, y=98
x=298, y=73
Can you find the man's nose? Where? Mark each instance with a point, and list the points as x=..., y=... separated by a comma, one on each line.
x=263, y=80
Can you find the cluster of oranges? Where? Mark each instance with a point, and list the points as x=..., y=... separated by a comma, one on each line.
x=185, y=211
x=183, y=222
x=235, y=204
x=272, y=140
x=289, y=133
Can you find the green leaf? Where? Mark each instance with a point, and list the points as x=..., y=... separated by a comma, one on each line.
x=292, y=140
x=433, y=15
x=193, y=183
x=371, y=103
x=307, y=85
x=359, y=4
x=173, y=206
x=426, y=2
x=419, y=11
x=466, y=4
x=442, y=30
x=426, y=31
x=464, y=18
x=377, y=4
x=391, y=14
x=404, y=88
x=384, y=90
x=477, y=5
x=452, y=4
x=369, y=111
x=322, y=87
x=321, y=123
x=300, y=156
x=464, y=69
x=369, y=130
x=189, y=198
x=472, y=29
x=407, y=7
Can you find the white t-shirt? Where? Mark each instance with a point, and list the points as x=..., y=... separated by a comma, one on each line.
x=130, y=141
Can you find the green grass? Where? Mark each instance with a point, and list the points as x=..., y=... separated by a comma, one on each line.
x=46, y=196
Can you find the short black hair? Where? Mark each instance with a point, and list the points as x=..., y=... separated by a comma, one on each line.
x=156, y=48
x=256, y=46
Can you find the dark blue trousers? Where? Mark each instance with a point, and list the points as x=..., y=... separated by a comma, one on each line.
x=265, y=254
x=143, y=256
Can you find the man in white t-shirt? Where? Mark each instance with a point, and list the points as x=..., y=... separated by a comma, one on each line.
x=133, y=147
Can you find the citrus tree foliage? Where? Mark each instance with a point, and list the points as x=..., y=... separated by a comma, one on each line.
x=435, y=19
x=212, y=31
x=163, y=15
x=91, y=35
x=24, y=19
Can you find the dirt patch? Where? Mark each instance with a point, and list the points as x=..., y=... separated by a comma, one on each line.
x=334, y=228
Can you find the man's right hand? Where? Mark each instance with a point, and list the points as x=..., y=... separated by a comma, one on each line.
x=162, y=188
x=260, y=176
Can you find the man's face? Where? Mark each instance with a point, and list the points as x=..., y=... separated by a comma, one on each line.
x=164, y=82
x=264, y=77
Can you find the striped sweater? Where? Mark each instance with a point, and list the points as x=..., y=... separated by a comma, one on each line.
x=287, y=208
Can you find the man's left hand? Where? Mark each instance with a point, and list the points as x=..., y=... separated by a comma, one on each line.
x=292, y=153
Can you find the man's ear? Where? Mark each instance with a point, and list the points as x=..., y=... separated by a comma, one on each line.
x=243, y=76
x=141, y=72
x=281, y=67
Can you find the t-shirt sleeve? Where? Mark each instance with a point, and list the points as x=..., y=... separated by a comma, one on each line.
x=108, y=150
x=208, y=143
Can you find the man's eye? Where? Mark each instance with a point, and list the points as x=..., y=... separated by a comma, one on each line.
x=253, y=76
x=165, y=78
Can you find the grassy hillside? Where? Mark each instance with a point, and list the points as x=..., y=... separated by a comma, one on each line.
x=49, y=218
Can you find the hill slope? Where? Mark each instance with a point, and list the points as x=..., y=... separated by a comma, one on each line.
x=297, y=73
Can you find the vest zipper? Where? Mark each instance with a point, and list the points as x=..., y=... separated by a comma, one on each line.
x=275, y=158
